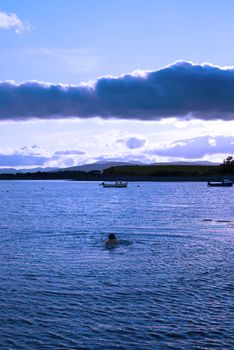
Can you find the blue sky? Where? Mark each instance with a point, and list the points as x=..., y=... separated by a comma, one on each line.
x=74, y=41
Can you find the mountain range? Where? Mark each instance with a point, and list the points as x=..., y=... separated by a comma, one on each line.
x=97, y=166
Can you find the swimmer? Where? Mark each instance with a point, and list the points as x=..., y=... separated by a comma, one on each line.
x=112, y=241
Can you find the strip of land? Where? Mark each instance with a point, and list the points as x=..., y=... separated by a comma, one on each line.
x=134, y=173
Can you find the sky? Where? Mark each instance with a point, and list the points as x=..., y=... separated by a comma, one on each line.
x=126, y=80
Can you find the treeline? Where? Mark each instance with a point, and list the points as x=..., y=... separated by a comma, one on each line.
x=40, y=175
x=137, y=173
x=163, y=170
x=227, y=167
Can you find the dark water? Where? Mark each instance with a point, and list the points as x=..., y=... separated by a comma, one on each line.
x=172, y=288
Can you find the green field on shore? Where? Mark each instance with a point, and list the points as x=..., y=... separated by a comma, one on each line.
x=160, y=170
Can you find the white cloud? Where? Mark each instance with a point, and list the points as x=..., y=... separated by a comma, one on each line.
x=12, y=21
x=196, y=148
x=33, y=156
x=212, y=142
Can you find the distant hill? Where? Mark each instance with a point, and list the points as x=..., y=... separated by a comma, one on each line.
x=105, y=165
x=130, y=172
x=97, y=166
x=85, y=167
x=24, y=171
x=8, y=171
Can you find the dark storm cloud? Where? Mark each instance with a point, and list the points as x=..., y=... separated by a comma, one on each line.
x=182, y=89
x=197, y=147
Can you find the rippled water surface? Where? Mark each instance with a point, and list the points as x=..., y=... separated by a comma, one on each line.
x=170, y=287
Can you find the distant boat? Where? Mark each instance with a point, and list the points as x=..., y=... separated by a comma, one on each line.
x=224, y=183
x=116, y=184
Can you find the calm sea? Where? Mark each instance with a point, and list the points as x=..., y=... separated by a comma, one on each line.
x=169, y=286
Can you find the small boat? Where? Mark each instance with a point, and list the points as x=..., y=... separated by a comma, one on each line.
x=224, y=183
x=116, y=184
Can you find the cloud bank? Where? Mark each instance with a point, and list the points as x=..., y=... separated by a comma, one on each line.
x=12, y=21
x=184, y=90
x=36, y=156
x=187, y=149
x=197, y=147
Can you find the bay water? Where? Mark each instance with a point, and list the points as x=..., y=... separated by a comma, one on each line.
x=169, y=285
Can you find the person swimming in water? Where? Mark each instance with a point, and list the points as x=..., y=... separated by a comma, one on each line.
x=112, y=241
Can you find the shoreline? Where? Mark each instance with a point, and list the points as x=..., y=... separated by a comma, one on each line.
x=162, y=173
x=120, y=178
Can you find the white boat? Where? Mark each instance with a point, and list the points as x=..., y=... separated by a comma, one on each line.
x=224, y=183
x=116, y=184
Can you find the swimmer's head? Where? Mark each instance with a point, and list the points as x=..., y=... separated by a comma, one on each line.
x=111, y=236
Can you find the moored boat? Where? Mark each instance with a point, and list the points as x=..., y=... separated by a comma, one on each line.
x=116, y=184
x=224, y=183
